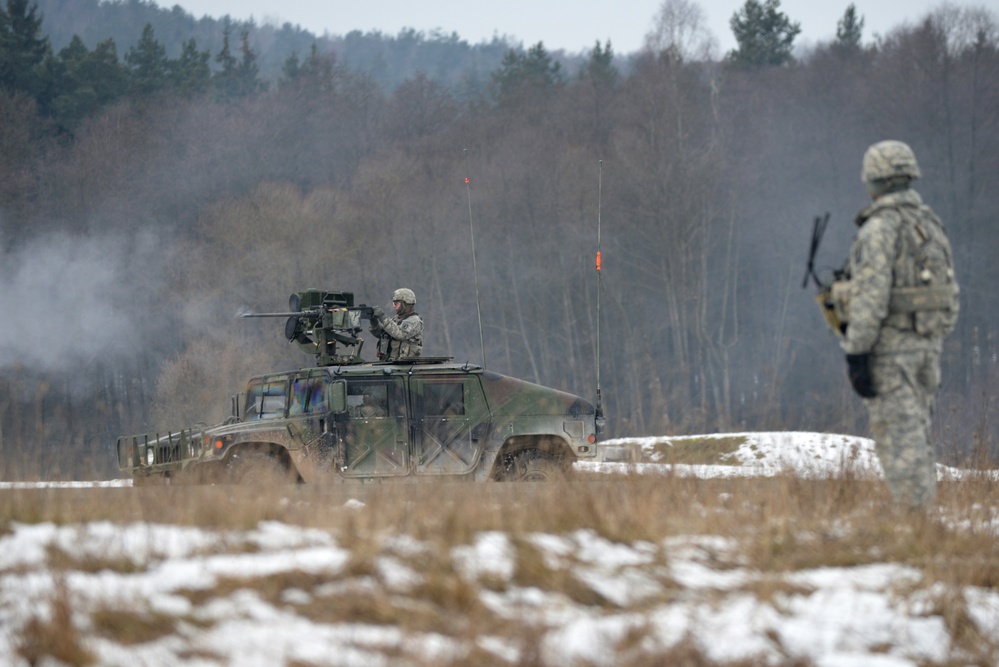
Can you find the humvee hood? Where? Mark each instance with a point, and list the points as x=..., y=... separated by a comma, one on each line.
x=510, y=396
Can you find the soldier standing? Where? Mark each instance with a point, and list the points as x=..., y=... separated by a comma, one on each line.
x=902, y=299
x=400, y=337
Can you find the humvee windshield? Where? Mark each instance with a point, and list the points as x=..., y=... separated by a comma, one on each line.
x=308, y=395
x=266, y=399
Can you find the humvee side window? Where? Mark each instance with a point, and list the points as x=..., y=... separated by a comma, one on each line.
x=266, y=400
x=443, y=399
x=369, y=400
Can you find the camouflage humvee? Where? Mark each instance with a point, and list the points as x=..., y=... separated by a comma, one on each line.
x=427, y=418
x=349, y=420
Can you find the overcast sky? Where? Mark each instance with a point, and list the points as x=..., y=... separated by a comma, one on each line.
x=561, y=24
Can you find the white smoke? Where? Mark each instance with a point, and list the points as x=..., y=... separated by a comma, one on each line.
x=69, y=299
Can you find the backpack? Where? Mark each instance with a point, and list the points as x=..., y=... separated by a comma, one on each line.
x=931, y=293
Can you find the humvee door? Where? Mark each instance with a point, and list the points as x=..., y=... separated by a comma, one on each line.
x=451, y=424
x=373, y=433
x=308, y=408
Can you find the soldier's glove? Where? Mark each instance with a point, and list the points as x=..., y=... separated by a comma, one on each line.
x=377, y=313
x=859, y=369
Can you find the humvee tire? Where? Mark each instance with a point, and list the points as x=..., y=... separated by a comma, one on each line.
x=534, y=465
x=258, y=469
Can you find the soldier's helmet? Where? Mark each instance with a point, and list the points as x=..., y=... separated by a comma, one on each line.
x=888, y=160
x=405, y=295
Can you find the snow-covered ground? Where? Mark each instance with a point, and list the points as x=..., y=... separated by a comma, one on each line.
x=631, y=599
x=762, y=454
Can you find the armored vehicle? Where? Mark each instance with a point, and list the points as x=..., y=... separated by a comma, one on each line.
x=348, y=420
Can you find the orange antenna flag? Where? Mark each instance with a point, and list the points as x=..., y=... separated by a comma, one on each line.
x=598, y=260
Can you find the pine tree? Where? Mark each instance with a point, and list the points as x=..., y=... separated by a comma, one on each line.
x=79, y=82
x=22, y=48
x=247, y=72
x=599, y=67
x=224, y=79
x=765, y=35
x=849, y=30
x=291, y=69
x=148, y=63
x=238, y=76
x=190, y=74
x=526, y=75
x=104, y=74
x=316, y=73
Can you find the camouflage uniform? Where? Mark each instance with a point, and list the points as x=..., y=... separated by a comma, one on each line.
x=893, y=348
x=402, y=336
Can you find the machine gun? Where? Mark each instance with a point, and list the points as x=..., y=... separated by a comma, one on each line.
x=831, y=295
x=320, y=320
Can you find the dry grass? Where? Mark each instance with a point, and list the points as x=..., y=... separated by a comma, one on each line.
x=129, y=628
x=778, y=525
x=697, y=450
x=688, y=654
x=59, y=559
x=56, y=635
x=781, y=523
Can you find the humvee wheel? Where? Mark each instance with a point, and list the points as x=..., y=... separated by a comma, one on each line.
x=534, y=465
x=258, y=469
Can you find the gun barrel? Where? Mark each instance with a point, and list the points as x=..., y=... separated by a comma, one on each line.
x=818, y=231
x=308, y=312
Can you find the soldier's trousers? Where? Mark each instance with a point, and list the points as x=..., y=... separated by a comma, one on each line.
x=900, y=418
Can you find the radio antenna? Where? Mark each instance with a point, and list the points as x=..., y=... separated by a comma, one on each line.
x=475, y=273
x=599, y=407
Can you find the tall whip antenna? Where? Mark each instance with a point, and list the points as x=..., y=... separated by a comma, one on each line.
x=475, y=272
x=599, y=407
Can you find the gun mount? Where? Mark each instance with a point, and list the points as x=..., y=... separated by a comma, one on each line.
x=320, y=321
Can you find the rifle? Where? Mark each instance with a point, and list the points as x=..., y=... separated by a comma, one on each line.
x=832, y=295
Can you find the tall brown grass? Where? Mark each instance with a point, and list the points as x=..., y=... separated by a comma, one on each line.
x=778, y=525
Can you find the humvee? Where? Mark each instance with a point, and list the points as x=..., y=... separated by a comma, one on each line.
x=349, y=420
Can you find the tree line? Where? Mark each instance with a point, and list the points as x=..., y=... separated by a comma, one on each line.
x=136, y=231
x=388, y=59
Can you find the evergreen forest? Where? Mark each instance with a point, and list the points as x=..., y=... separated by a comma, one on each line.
x=161, y=174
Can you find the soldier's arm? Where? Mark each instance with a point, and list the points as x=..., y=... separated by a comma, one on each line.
x=408, y=329
x=872, y=259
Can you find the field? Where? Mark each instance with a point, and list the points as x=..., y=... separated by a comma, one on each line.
x=609, y=568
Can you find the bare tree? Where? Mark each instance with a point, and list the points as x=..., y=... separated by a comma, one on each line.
x=679, y=30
